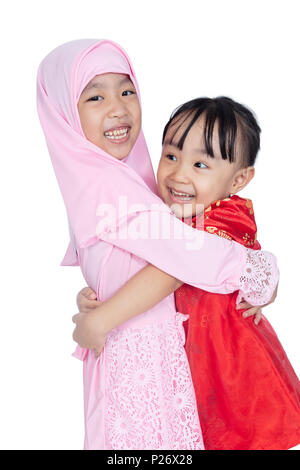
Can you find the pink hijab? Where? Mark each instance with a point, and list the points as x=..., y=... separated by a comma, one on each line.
x=85, y=172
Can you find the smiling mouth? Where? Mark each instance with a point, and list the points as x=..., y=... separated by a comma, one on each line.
x=118, y=135
x=179, y=196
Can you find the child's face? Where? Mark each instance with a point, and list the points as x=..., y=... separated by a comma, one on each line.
x=110, y=113
x=199, y=178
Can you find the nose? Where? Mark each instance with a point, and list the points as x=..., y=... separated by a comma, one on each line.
x=179, y=175
x=117, y=108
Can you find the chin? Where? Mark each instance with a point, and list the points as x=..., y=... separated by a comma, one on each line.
x=181, y=211
x=118, y=155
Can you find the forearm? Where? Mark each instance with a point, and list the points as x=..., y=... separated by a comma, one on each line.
x=195, y=257
x=144, y=290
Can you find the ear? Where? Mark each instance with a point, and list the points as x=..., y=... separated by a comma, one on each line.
x=241, y=179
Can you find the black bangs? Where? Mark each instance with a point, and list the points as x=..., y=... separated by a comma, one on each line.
x=229, y=115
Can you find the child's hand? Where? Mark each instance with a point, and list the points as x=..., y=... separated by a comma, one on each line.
x=86, y=304
x=86, y=300
x=257, y=309
x=88, y=332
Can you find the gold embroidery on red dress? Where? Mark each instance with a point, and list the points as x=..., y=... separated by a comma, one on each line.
x=211, y=229
x=224, y=234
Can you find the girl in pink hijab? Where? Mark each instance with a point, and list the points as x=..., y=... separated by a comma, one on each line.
x=138, y=393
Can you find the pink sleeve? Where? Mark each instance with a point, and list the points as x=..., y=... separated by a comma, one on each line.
x=196, y=258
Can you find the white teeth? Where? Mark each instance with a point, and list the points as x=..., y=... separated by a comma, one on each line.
x=117, y=134
x=115, y=137
x=182, y=195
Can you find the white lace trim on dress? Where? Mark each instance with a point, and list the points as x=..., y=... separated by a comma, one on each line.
x=259, y=279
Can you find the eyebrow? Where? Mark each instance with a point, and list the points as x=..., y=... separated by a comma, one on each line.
x=101, y=85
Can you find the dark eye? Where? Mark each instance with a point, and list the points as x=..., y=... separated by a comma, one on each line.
x=128, y=93
x=171, y=157
x=95, y=98
x=198, y=165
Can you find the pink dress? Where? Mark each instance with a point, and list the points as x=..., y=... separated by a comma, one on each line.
x=138, y=394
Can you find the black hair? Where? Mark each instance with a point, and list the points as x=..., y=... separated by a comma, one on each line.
x=230, y=116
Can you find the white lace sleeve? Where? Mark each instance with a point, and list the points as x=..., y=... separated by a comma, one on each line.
x=259, y=279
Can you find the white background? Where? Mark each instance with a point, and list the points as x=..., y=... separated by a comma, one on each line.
x=180, y=50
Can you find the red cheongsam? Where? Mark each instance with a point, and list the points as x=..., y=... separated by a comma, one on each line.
x=248, y=394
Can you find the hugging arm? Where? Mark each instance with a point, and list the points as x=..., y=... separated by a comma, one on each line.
x=203, y=260
x=144, y=290
x=222, y=266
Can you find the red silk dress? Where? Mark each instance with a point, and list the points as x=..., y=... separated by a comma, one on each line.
x=247, y=392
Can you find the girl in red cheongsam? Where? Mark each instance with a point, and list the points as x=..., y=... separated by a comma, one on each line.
x=247, y=392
